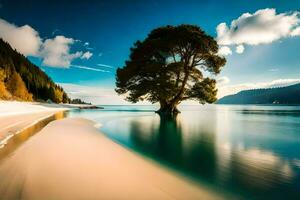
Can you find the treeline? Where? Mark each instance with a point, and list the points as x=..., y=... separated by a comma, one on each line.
x=79, y=101
x=282, y=95
x=22, y=80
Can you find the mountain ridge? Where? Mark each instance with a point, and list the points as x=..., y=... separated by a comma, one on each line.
x=22, y=80
x=279, y=95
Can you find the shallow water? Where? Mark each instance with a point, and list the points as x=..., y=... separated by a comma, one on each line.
x=250, y=151
x=16, y=140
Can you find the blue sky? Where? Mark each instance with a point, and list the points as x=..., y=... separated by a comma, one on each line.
x=107, y=29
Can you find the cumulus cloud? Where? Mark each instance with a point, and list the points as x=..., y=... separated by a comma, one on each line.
x=24, y=38
x=224, y=51
x=240, y=49
x=233, y=89
x=262, y=27
x=87, y=55
x=56, y=52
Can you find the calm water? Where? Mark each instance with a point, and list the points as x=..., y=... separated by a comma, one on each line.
x=250, y=151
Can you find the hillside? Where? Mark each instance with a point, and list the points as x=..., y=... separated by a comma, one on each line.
x=283, y=95
x=22, y=80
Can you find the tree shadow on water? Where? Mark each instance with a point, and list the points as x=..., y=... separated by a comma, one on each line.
x=169, y=142
x=163, y=138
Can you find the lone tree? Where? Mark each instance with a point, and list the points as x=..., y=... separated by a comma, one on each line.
x=167, y=67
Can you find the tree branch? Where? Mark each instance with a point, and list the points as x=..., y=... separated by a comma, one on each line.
x=173, y=55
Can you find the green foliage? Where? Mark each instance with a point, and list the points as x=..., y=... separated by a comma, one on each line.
x=205, y=89
x=78, y=101
x=167, y=67
x=30, y=78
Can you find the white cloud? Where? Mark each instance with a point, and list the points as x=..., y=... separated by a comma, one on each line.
x=95, y=95
x=224, y=51
x=103, y=65
x=262, y=27
x=223, y=80
x=24, y=38
x=89, y=68
x=86, y=44
x=233, y=89
x=56, y=52
x=240, y=49
x=87, y=55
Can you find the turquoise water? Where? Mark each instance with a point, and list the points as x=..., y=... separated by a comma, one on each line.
x=252, y=152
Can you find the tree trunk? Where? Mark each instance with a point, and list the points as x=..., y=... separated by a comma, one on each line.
x=167, y=109
x=178, y=97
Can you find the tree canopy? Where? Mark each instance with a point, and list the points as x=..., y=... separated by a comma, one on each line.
x=168, y=67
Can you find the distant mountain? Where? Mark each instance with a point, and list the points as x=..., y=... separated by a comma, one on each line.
x=282, y=95
x=22, y=80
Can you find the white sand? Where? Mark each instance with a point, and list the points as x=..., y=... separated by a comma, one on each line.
x=70, y=159
x=11, y=108
x=16, y=116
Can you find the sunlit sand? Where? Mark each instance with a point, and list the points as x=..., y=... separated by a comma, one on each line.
x=70, y=159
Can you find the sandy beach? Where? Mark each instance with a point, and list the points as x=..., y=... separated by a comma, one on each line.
x=16, y=117
x=70, y=159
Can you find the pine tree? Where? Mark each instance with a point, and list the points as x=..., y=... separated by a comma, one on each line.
x=17, y=87
x=4, y=94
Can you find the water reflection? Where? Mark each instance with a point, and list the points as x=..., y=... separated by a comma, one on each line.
x=251, y=155
x=14, y=142
x=271, y=112
x=165, y=140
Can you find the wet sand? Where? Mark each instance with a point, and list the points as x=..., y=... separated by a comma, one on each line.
x=70, y=159
x=16, y=117
x=15, y=124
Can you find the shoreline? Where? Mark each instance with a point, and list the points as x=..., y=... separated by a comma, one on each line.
x=70, y=159
x=17, y=116
x=16, y=139
x=88, y=141
x=5, y=140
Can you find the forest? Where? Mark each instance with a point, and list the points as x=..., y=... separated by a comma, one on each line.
x=21, y=80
